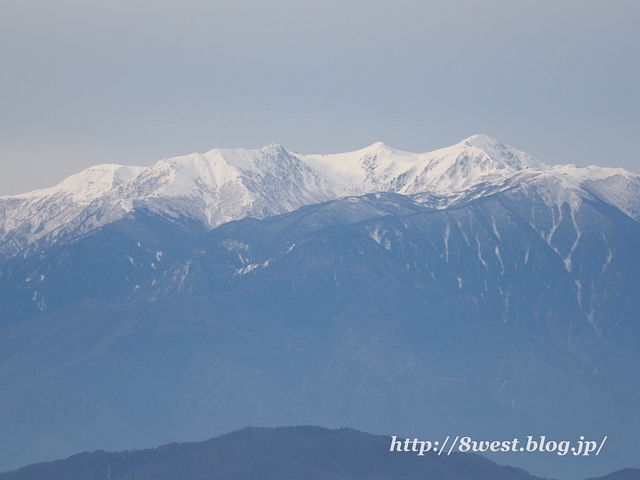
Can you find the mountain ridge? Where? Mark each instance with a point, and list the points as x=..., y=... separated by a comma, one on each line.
x=229, y=184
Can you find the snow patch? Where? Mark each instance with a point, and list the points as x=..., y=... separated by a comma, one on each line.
x=249, y=268
x=495, y=227
x=497, y=251
x=447, y=232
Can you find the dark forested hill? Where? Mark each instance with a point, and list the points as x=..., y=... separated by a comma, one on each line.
x=295, y=453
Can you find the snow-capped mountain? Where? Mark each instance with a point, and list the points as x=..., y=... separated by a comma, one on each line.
x=229, y=184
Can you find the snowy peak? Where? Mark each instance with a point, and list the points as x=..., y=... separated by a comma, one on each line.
x=477, y=159
x=274, y=149
x=371, y=169
x=89, y=183
x=379, y=149
x=502, y=154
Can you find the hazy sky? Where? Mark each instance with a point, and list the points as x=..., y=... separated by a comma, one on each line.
x=124, y=81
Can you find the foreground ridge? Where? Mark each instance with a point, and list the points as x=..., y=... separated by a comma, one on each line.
x=272, y=453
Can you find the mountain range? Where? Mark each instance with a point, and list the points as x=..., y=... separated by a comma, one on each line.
x=473, y=290
x=225, y=185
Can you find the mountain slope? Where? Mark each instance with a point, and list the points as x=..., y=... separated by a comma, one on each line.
x=374, y=312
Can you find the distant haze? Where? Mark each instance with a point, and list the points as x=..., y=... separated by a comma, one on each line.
x=86, y=82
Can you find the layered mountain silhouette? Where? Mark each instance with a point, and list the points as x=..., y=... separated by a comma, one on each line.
x=469, y=291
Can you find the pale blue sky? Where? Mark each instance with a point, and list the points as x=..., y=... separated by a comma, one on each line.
x=85, y=82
